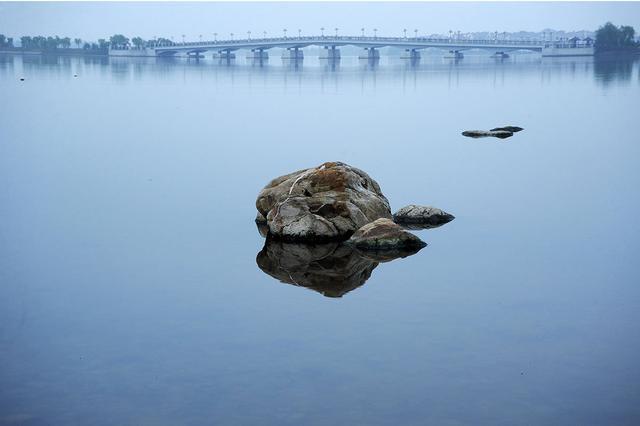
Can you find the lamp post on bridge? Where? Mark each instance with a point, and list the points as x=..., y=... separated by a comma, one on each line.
x=231, y=36
x=183, y=38
x=299, y=33
x=200, y=36
x=375, y=33
x=322, y=31
x=405, y=33
x=264, y=34
x=215, y=37
x=416, y=33
x=362, y=29
x=285, y=32
x=336, y=32
x=249, y=35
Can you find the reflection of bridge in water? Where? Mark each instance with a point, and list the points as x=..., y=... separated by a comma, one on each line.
x=293, y=47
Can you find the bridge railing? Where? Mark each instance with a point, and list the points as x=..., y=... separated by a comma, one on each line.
x=368, y=39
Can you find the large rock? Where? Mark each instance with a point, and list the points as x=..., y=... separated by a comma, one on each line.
x=332, y=269
x=384, y=234
x=324, y=203
x=421, y=217
x=502, y=134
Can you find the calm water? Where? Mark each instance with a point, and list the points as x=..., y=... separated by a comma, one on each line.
x=130, y=292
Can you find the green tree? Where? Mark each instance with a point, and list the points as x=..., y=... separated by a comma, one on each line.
x=609, y=37
x=26, y=42
x=77, y=42
x=118, y=40
x=164, y=41
x=138, y=42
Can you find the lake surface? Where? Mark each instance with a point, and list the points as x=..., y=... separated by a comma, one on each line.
x=130, y=292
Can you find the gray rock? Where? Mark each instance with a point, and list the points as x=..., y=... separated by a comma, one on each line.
x=512, y=129
x=383, y=234
x=323, y=203
x=502, y=134
x=421, y=217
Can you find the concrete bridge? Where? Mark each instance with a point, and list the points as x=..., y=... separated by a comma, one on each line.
x=293, y=47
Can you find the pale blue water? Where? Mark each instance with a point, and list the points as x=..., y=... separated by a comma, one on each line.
x=129, y=290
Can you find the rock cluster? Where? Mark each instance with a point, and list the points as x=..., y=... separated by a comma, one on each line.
x=335, y=201
x=496, y=132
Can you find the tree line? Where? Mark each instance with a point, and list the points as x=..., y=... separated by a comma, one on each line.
x=611, y=38
x=54, y=43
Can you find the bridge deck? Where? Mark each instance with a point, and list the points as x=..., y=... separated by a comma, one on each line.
x=365, y=42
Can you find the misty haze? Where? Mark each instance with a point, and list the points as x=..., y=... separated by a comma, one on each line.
x=319, y=214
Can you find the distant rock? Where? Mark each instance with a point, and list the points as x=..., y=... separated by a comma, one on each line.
x=502, y=134
x=383, y=234
x=332, y=269
x=421, y=217
x=512, y=129
x=324, y=203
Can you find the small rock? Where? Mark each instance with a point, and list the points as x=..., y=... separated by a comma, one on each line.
x=421, y=217
x=383, y=234
x=502, y=134
x=512, y=129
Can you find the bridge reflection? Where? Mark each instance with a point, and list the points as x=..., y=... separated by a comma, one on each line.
x=312, y=70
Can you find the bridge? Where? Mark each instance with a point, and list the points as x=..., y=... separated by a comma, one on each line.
x=293, y=46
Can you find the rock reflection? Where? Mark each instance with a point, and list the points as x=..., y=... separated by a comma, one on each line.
x=332, y=269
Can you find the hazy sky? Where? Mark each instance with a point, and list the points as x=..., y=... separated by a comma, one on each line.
x=91, y=21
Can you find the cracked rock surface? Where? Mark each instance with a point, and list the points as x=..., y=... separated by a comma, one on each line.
x=324, y=203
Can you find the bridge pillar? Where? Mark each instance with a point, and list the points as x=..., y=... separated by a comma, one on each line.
x=413, y=54
x=454, y=54
x=500, y=55
x=226, y=54
x=332, y=53
x=258, y=54
x=293, y=53
x=371, y=53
